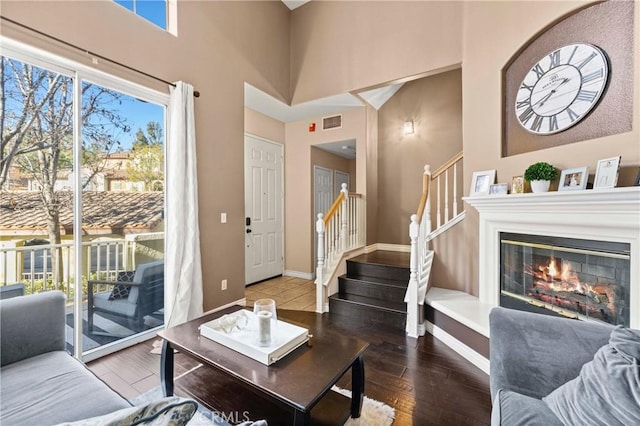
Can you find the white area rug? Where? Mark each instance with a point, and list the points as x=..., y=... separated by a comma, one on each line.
x=374, y=413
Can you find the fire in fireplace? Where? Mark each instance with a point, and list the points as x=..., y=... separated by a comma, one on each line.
x=577, y=278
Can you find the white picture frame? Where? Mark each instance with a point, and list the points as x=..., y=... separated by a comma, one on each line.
x=499, y=189
x=481, y=182
x=574, y=179
x=607, y=173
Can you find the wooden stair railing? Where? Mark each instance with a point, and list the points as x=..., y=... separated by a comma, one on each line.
x=421, y=233
x=341, y=230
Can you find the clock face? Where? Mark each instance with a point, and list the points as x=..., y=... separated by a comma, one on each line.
x=561, y=89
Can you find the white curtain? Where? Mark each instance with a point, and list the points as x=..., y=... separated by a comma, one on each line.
x=183, y=279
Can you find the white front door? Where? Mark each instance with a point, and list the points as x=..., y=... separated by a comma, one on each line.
x=263, y=196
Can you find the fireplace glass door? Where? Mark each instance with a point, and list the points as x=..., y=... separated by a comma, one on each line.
x=576, y=278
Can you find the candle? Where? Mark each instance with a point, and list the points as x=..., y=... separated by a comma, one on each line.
x=264, y=328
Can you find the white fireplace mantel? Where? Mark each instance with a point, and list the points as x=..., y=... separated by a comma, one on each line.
x=605, y=215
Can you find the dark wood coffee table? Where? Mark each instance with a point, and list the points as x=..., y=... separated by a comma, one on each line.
x=293, y=391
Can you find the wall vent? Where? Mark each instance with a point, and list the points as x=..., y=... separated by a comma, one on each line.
x=333, y=122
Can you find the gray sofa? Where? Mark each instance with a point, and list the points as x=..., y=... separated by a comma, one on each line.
x=41, y=384
x=534, y=355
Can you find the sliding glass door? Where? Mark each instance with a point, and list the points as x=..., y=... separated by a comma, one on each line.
x=82, y=189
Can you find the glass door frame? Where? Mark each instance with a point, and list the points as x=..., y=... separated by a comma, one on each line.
x=80, y=73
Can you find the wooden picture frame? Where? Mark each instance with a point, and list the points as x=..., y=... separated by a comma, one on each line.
x=607, y=173
x=517, y=185
x=481, y=182
x=574, y=179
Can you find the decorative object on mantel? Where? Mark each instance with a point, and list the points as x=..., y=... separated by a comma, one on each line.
x=517, y=185
x=573, y=179
x=539, y=175
x=637, y=178
x=607, y=173
x=499, y=189
x=571, y=81
x=481, y=182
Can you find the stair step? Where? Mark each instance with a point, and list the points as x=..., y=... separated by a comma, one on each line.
x=367, y=309
x=374, y=287
x=359, y=267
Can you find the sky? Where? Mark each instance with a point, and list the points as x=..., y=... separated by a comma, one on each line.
x=137, y=112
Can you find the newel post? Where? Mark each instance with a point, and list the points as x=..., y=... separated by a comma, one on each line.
x=411, y=297
x=320, y=267
x=344, y=207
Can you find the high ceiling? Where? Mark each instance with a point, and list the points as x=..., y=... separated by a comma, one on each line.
x=292, y=4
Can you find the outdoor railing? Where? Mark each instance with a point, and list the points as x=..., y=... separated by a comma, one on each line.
x=33, y=265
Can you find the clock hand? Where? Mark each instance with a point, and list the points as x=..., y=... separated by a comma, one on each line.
x=546, y=98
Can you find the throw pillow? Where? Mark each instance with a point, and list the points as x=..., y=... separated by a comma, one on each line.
x=172, y=411
x=607, y=390
x=120, y=291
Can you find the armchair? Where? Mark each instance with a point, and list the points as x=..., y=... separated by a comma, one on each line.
x=142, y=296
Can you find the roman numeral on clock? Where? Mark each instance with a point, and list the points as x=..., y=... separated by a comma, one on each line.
x=586, y=95
x=593, y=76
x=572, y=115
x=522, y=104
x=553, y=123
x=538, y=70
x=526, y=86
x=586, y=61
x=526, y=115
x=537, y=123
x=555, y=59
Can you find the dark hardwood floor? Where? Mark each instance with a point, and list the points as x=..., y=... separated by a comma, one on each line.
x=425, y=381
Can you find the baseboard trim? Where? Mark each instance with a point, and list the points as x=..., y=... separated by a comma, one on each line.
x=242, y=302
x=387, y=247
x=298, y=274
x=463, y=350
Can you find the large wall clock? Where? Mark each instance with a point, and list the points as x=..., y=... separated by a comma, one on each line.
x=571, y=82
x=561, y=88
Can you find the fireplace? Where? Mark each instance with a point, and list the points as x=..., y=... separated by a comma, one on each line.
x=567, y=217
x=576, y=278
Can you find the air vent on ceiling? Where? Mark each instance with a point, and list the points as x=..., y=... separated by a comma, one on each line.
x=333, y=122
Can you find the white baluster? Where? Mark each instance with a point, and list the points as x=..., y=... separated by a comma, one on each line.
x=319, y=269
x=343, y=218
x=446, y=196
x=438, y=216
x=455, y=189
x=427, y=210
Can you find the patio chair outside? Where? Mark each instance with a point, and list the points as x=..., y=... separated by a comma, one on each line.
x=132, y=300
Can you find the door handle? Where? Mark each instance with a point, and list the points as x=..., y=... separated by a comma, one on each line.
x=248, y=231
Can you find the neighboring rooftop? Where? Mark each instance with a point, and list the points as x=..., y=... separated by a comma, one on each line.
x=105, y=212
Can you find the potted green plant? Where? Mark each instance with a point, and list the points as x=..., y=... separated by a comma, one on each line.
x=540, y=175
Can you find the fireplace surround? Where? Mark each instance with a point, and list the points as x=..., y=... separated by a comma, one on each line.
x=611, y=216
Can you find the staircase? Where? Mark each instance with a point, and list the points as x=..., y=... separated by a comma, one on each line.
x=373, y=289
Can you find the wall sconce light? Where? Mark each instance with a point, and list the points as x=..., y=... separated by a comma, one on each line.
x=408, y=127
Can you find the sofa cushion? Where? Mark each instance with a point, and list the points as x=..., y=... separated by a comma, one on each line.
x=172, y=411
x=52, y=388
x=514, y=409
x=607, y=391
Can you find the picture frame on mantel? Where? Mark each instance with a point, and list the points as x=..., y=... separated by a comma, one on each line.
x=481, y=182
x=573, y=179
x=607, y=173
